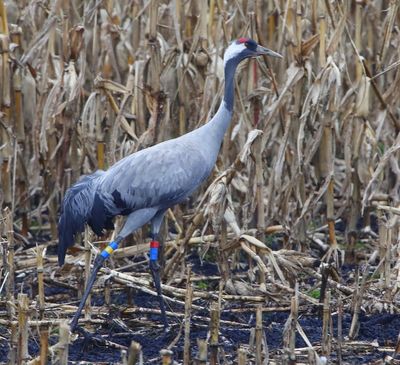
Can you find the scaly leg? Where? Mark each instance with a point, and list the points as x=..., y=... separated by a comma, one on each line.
x=155, y=272
x=134, y=220
x=98, y=263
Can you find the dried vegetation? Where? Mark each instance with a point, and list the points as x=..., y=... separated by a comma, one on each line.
x=310, y=164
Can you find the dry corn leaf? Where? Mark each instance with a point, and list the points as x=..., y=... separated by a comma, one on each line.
x=378, y=170
x=363, y=99
x=254, y=241
x=308, y=45
x=110, y=85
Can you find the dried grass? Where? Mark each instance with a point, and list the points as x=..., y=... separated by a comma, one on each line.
x=314, y=140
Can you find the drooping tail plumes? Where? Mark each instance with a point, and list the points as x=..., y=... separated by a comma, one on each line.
x=75, y=211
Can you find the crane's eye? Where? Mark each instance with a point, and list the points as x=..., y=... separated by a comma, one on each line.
x=246, y=44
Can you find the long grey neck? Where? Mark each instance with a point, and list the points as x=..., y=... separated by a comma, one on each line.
x=218, y=125
x=230, y=70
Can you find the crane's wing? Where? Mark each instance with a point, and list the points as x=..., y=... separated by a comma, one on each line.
x=159, y=176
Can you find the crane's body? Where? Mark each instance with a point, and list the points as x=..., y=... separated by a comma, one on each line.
x=173, y=170
x=142, y=186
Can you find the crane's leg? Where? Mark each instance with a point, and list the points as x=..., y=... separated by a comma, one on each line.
x=155, y=273
x=98, y=263
x=134, y=221
x=155, y=250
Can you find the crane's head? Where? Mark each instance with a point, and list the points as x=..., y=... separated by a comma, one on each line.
x=245, y=48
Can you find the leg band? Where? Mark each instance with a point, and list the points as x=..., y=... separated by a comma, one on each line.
x=109, y=249
x=154, y=246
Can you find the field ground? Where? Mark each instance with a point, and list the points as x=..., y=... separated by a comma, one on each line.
x=127, y=310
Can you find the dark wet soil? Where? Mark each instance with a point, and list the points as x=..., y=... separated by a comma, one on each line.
x=383, y=328
x=147, y=330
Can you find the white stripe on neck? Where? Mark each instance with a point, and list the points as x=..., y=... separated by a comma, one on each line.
x=232, y=51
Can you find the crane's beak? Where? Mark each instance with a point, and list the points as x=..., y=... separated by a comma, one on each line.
x=265, y=51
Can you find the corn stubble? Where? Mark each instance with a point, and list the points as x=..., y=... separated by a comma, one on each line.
x=314, y=142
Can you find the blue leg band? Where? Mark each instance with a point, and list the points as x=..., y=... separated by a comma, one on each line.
x=109, y=249
x=154, y=253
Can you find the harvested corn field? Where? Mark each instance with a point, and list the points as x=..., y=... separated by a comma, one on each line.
x=288, y=253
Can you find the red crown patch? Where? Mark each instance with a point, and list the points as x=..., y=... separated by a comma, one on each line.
x=242, y=40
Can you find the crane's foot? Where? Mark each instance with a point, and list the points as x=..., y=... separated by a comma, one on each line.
x=92, y=339
x=155, y=272
x=74, y=323
x=84, y=333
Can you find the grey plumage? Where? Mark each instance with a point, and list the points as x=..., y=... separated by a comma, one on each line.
x=144, y=185
x=75, y=211
x=155, y=179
